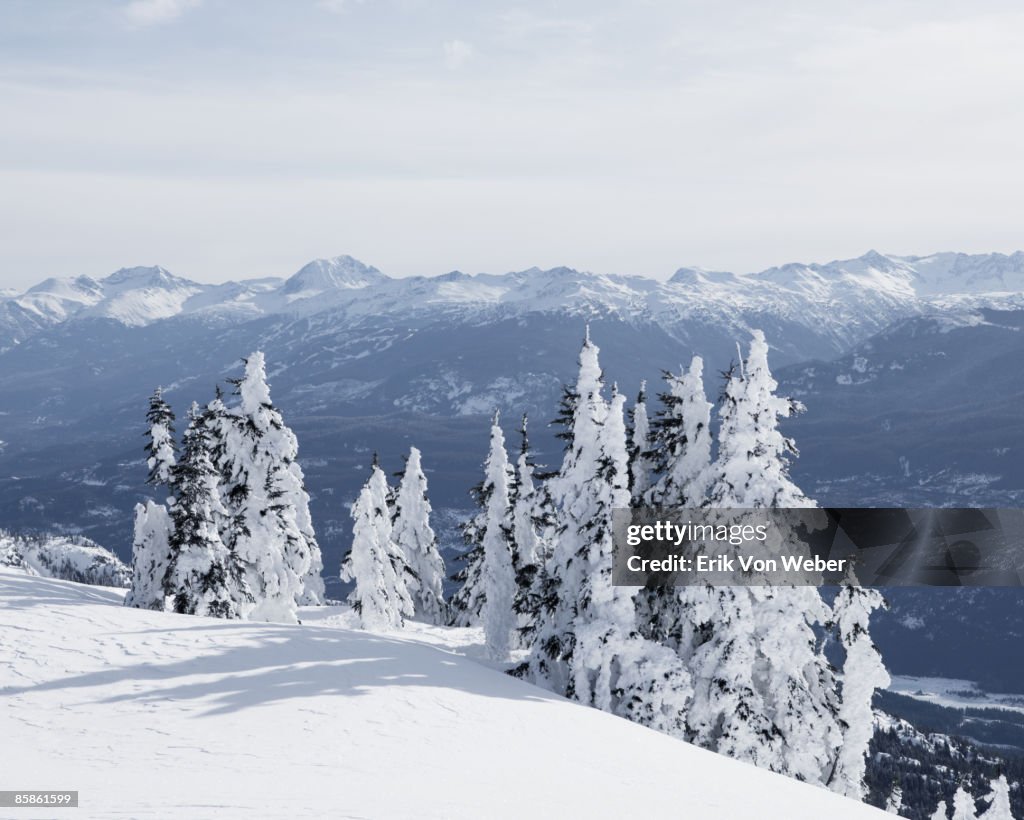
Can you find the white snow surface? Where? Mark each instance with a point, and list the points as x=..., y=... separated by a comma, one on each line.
x=151, y=714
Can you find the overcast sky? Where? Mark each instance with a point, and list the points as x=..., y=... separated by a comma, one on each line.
x=230, y=138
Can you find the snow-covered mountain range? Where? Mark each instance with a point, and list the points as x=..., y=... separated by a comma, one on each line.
x=841, y=300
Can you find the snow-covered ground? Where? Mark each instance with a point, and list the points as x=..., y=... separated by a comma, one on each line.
x=151, y=714
x=954, y=693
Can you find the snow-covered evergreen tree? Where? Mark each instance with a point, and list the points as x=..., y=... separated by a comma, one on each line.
x=150, y=548
x=381, y=596
x=552, y=650
x=161, y=451
x=752, y=468
x=587, y=645
x=203, y=576
x=894, y=802
x=416, y=540
x=963, y=805
x=533, y=524
x=640, y=463
x=467, y=604
x=266, y=502
x=613, y=667
x=682, y=440
x=998, y=801
x=682, y=436
x=152, y=522
x=497, y=571
x=764, y=691
x=466, y=607
x=863, y=673
x=941, y=811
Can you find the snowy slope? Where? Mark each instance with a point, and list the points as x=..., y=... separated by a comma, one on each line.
x=158, y=715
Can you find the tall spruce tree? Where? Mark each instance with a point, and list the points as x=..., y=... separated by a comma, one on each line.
x=764, y=690
x=963, y=805
x=203, y=576
x=266, y=501
x=587, y=645
x=467, y=604
x=150, y=554
x=152, y=527
x=497, y=572
x=612, y=666
x=998, y=800
x=640, y=462
x=533, y=525
x=380, y=596
x=416, y=540
x=863, y=673
x=552, y=650
x=682, y=437
x=161, y=451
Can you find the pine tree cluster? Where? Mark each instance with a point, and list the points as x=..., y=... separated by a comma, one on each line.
x=740, y=670
x=234, y=537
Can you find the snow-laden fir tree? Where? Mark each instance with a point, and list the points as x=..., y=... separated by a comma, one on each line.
x=416, y=540
x=552, y=649
x=894, y=802
x=587, y=645
x=612, y=667
x=152, y=522
x=998, y=801
x=682, y=438
x=640, y=462
x=941, y=811
x=533, y=528
x=266, y=501
x=150, y=548
x=466, y=607
x=863, y=673
x=497, y=571
x=203, y=576
x=963, y=805
x=161, y=451
x=764, y=691
x=381, y=595
x=467, y=604
x=752, y=468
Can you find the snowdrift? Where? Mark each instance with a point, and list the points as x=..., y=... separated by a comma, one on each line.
x=151, y=714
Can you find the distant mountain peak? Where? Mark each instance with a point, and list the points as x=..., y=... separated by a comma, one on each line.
x=874, y=258
x=144, y=276
x=695, y=275
x=336, y=273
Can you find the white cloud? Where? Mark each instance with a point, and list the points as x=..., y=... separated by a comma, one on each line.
x=156, y=12
x=457, y=53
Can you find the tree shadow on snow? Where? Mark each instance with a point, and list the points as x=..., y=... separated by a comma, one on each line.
x=23, y=591
x=267, y=663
